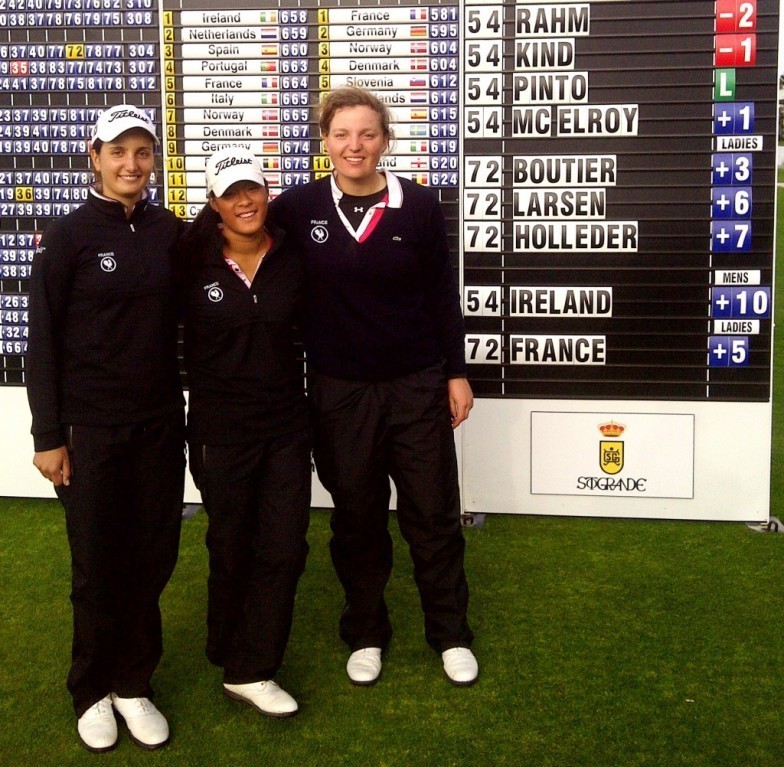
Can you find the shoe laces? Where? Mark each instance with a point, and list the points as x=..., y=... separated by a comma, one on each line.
x=101, y=707
x=143, y=705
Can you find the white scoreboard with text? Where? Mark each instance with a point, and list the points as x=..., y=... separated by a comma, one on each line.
x=608, y=173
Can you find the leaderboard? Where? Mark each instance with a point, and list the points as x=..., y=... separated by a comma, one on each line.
x=607, y=169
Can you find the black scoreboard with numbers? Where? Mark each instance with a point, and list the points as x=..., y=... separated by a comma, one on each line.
x=607, y=168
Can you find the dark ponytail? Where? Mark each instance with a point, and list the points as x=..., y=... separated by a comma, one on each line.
x=200, y=238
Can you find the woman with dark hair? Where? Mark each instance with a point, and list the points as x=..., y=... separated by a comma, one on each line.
x=104, y=389
x=248, y=433
x=387, y=381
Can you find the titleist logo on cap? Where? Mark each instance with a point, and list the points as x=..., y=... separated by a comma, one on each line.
x=229, y=161
x=118, y=115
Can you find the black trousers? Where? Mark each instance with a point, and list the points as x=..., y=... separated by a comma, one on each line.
x=123, y=511
x=366, y=433
x=257, y=497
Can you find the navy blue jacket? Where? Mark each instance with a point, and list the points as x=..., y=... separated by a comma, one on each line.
x=385, y=305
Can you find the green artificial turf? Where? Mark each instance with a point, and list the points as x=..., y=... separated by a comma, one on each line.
x=601, y=642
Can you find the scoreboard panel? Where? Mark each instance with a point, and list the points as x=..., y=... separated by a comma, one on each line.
x=607, y=170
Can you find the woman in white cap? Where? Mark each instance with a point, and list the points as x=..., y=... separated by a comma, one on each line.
x=108, y=424
x=248, y=434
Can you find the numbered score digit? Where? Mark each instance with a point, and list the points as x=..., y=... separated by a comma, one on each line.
x=482, y=236
x=482, y=348
x=484, y=89
x=482, y=204
x=484, y=22
x=482, y=122
x=482, y=301
x=483, y=171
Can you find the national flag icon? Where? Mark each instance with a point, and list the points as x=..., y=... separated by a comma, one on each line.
x=418, y=30
x=270, y=163
x=417, y=131
x=270, y=49
x=419, y=65
x=418, y=49
x=418, y=14
x=419, y=97
x=419, y=114
x=270, y=131
x=270, y=147
x=268, y=17
x=270, y=115
x=269, y=99
x=268, y=65
x=419, y=163
x=421, y=178
x=418, y=146
x=418, y=82
x=268, y=33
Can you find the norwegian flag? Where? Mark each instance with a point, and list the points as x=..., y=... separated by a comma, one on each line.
x=418, y=49
x=271, y=115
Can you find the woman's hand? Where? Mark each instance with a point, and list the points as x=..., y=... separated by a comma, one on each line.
x=461, y=400
x=55, y=465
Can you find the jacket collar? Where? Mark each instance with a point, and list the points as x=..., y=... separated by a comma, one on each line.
x=393, y=187
x=115, y=208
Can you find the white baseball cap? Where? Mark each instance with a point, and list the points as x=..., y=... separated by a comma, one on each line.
x=230, y=165
x=119, y=119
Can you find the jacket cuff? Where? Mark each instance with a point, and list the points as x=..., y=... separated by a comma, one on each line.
x=48, y=440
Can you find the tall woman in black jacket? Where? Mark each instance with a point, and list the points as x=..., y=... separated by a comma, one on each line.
x=104, y=390
x=248, y=432
x=387, y=381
